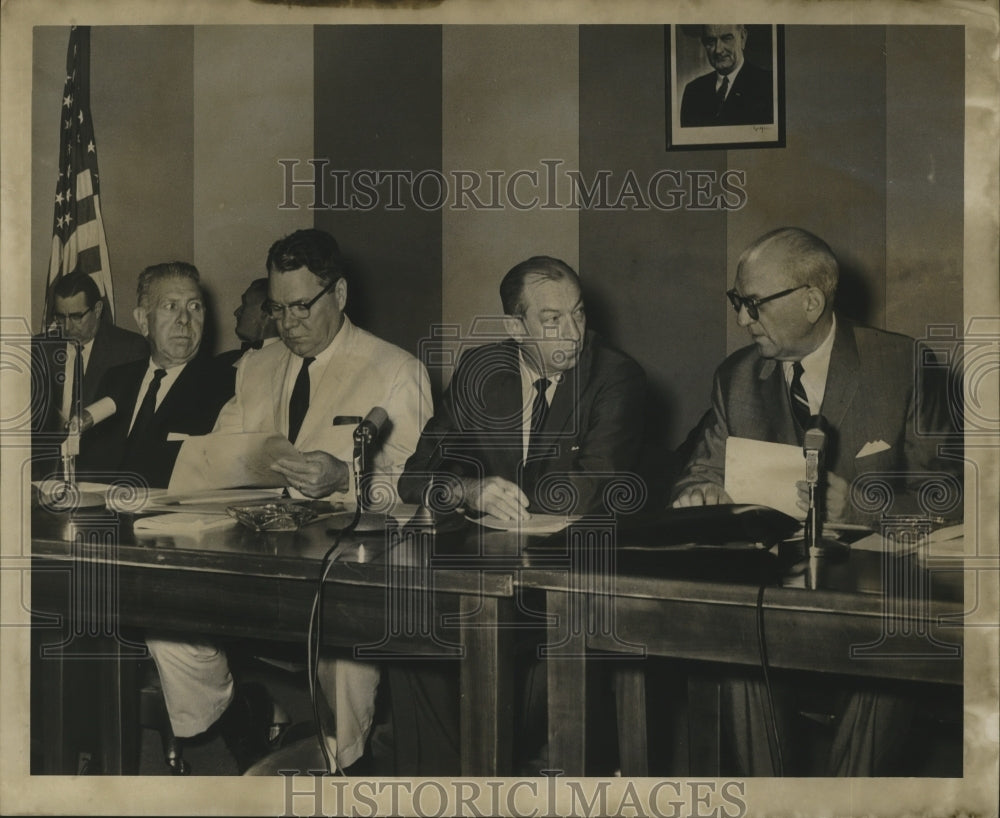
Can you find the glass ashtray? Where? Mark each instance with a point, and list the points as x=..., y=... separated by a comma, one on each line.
x=287, y=516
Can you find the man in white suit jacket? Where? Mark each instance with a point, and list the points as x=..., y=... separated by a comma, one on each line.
x=325, y=367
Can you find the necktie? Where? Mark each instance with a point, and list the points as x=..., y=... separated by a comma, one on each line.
x=800, y=403
x=147, y=408
x=298, y=403
x=720, y=96
x=539, y=408
x=73, y=390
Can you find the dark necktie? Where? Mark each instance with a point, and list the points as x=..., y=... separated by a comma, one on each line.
x=800, y=403
x=72, y=401
x=720, y=96
x=539, y=409
x=147, y=408
x=298, y=403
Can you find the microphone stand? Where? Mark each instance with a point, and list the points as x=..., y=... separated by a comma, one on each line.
x=816, y=545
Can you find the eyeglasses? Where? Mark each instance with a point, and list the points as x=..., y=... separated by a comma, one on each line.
x=752, y=304
x=297, y=309
x=67, y=317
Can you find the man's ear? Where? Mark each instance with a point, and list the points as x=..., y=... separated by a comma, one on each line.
x=139, y=314
x=98, y=308
x=815, y=304
x=514, y=327
x=340, y=293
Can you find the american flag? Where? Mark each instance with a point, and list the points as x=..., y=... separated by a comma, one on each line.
x=78, y=240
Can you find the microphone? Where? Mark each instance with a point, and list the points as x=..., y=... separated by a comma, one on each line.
x=813, y=447
x=370, y=428
x=78, y=424
x=92, y=415
x=365, y=435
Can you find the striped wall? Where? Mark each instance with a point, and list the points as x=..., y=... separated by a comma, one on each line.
x=189, y=148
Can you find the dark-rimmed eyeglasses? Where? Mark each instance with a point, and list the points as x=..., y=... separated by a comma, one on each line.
x=67, y=317
x=297, y=309
x=752, y=304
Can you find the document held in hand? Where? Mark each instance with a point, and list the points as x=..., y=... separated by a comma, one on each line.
x=765, y=474
x=230, y=460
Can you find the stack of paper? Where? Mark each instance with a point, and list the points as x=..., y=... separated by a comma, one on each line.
x=181, y=523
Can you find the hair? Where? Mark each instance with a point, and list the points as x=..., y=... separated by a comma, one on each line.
x=316, y=250
x=160, y=272
x=512, y=286
x=258, y=287
x=807, y=258
x=76, y=283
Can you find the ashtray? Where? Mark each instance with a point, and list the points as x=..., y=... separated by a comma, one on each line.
x=279, y=516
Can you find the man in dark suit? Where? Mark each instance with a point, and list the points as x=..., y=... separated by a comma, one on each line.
x=806, y=361
x=552, y=400
x=737, y=92
x=89, y=345
x=254, y=327
x=539, y=422
x=169, y=395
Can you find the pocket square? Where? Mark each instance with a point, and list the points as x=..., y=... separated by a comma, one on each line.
x=872, y=447
x=176, y=436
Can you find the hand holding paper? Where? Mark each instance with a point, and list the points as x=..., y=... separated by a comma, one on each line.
x=315, y=474
x=765, y=473
x=230, y=460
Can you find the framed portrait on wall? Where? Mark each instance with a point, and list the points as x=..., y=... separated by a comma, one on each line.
x=725, y=86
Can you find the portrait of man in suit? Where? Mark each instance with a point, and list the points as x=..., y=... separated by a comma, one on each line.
x=735, y=92
x=169, y=394
x=70, y=365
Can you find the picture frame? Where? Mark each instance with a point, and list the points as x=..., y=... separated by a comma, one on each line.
x=752, y=112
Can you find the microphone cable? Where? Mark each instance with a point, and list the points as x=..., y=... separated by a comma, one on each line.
x=315, y=640
x=771, y=722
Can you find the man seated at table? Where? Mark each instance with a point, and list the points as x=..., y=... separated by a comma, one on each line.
x=553, y=402
x=163, y=398
x=325, y=367
x=807, y=361
x=69, y=369
x=254, y=327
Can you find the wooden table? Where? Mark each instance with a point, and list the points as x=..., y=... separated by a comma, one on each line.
x=93, y=577
x=867, y=617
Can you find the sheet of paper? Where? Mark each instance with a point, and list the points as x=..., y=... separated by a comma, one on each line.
x=765, y=473
x=535, y=524
x=231, y=460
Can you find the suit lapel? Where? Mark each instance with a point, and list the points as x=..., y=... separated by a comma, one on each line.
x=566, y=397
x=842, y=376
x=774, y=393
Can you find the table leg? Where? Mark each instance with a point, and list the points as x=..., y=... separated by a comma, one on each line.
x=630, y=706
x=704, y=725
x=487, y=686
x=566, y=663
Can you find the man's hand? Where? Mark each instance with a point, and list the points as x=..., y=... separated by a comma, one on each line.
x=837, y=489
x=321, y=474
x=703, y=494
x=496, y=496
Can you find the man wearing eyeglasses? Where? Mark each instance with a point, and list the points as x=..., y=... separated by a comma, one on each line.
x=71, y=363
x=805, y=360
x=314, y=388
